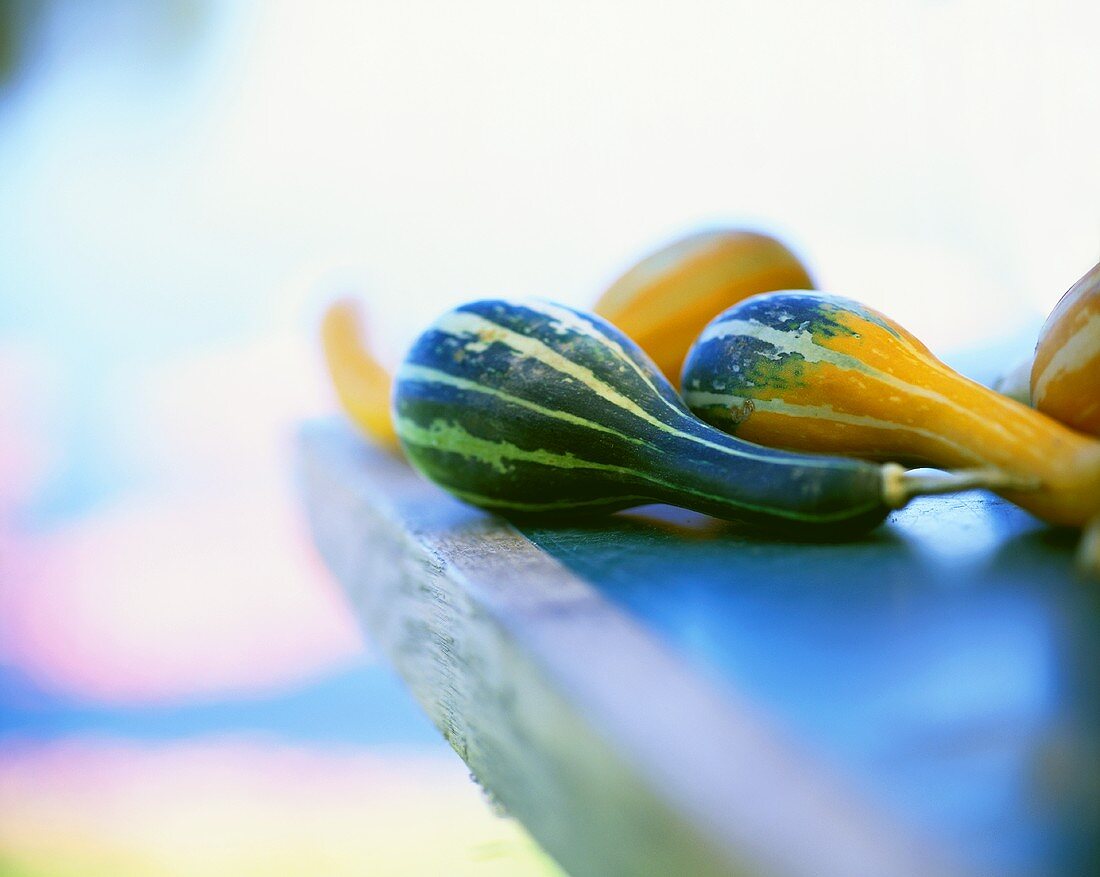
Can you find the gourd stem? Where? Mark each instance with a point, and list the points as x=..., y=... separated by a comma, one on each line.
x=899, y=485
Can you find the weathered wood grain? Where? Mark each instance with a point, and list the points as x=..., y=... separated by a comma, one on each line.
x=614, y=752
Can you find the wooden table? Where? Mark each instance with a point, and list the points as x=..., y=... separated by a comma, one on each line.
x=659, y=693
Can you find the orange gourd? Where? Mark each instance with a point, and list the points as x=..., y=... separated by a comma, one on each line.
x=664, y=301
x=1065, y=377
x=812, y=372
x=362, y=383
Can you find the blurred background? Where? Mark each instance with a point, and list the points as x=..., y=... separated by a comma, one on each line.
x=185, y=184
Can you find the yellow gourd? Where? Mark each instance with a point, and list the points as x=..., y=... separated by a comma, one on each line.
x=664, y=301
x=1065, y=377
x=362, y=383
x=812, y=372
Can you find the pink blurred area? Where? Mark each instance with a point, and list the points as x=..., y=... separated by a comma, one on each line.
x=200, y=579
x=166, y=597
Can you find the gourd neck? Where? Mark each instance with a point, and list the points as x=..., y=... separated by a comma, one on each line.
x=1001, y=433
x=720, y=475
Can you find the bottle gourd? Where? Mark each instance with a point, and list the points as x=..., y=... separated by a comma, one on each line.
x=813, y=372
x=534, y=408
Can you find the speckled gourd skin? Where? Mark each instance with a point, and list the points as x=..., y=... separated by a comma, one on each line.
x=534, y=408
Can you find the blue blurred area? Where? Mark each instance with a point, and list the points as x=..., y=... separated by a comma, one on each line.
x=97, y=97
x=947, y=665
x=126, y=253
x=364, y=705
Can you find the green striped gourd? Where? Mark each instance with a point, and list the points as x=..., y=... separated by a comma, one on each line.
x=528, y=408
x=814, y=372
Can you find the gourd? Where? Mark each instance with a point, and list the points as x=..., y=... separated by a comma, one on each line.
x=1068, y=352
x=813, y=372
x=1016, y=382
x=663, y=303
x=534, y=408
x=665, y=300
x=362, y=383
x=1065, y=377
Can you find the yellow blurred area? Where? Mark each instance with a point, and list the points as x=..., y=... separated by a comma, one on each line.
x=240, y=809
